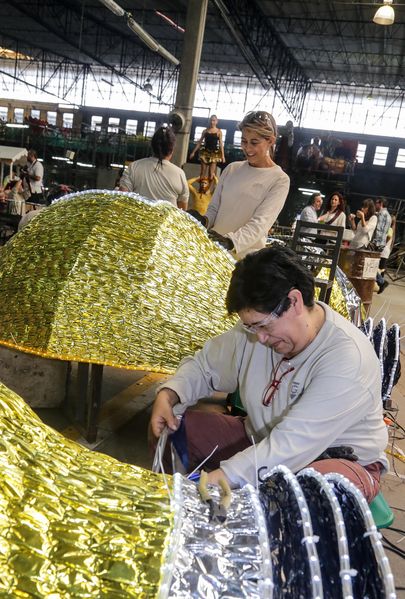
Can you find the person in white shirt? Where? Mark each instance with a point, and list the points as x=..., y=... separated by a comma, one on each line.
x=366, y=225
x=309, y=381
x=156, y=177
x=335, y=212
x=32, y=177
x=310, y=212
x=250, y=194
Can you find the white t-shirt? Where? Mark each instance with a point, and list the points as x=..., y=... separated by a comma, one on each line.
x=35, y=169
x=157, y=182
x=246, y=202
x=332, y=396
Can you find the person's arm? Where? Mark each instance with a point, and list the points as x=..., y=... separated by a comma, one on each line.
x=221, y=145
x=126, y=181
x=338, y=407
x=37, y=172
x=352, y=222
x=215, y=203
x=263, y=218
x=214, y=368
x=198, y=144
x=360, y=215
x=182, y=199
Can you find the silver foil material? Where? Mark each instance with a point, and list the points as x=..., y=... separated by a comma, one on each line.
x=353, y=301
x=206, y=560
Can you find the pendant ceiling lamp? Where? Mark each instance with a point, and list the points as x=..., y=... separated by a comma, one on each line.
x=385, y=15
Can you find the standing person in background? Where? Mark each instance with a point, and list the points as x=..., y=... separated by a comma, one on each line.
x=156, y=177
x=310, y=212
x=383, y=224
x=201, y=198
x=366, y=225
x=32, y=176
x=250, y=194
x=212, y=151
x=385, y=254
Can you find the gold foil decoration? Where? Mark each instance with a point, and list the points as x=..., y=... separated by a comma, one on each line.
x=74, y=523
x=111, y=278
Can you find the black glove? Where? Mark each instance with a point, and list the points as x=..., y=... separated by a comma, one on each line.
x=201, y=219
x=342, y=452
x=226, y=242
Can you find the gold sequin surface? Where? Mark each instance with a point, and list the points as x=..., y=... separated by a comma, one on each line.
x=74, y=523
x=112, y=278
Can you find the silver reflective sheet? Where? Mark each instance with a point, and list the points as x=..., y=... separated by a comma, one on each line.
x=210, y=560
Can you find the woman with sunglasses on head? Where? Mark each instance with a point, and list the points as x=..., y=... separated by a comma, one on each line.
x=250, y=194
x=302, y=410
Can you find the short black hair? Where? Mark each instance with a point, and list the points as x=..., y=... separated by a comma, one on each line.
x=382, y=201
x=262, y=279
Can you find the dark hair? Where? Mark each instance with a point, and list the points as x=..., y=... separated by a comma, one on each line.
x=382, y=201
x=369, y=204
x=341, y=206
x=313, y=198
x=33, y=153
x=262, y=279
x=163, y=143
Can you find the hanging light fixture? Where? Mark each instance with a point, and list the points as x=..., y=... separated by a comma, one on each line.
x=385, y=15
x=147, y=86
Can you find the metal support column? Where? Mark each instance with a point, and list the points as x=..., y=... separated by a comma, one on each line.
x=190, y=63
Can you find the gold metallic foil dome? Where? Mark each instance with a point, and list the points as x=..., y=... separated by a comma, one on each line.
x=75, y=523
x=112, y=278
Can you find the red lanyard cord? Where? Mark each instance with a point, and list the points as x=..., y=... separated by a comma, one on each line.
x=274, y=384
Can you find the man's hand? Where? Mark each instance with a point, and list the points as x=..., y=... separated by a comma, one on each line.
x=216, y=476
x=226, y=242
x=162, y=412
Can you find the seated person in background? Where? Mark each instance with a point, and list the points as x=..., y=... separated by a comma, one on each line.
x=202, y=197
x=309, y=381
x=310, y=212
x=156, y=177
x=15, y=195
x=366, y=225
x=335, y=212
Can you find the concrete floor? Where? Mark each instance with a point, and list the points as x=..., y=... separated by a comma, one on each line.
x=128, y=396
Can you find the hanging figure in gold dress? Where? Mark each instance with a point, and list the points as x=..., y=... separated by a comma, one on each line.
x=212, y=149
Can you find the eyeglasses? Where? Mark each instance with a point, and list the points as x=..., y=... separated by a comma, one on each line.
x=273, y=386
x=277, y=312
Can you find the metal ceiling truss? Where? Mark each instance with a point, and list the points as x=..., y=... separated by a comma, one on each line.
x=48, y=64
x=269, y=58
x=91, y=39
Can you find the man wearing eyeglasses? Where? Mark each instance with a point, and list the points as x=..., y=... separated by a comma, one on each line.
x=308, y=379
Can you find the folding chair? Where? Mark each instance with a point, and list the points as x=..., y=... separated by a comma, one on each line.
x=319, y=246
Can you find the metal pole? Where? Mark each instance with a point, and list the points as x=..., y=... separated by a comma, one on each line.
x=190, y=63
